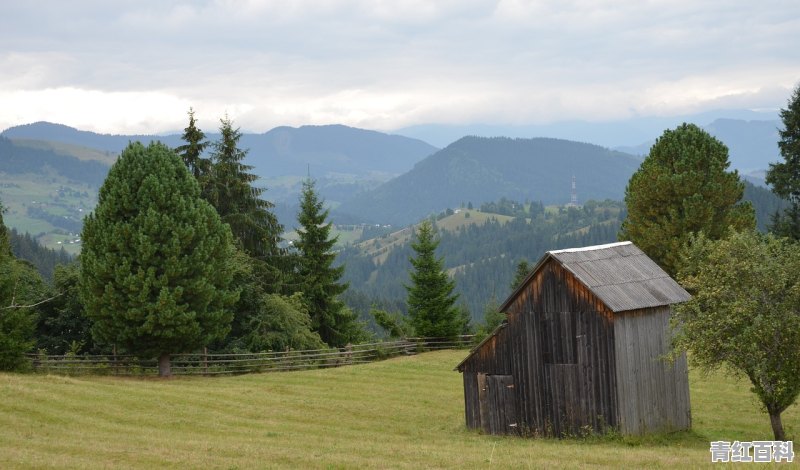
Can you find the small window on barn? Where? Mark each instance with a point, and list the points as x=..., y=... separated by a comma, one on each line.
x=559, y=343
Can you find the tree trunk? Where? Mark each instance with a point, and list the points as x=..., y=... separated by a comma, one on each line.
x=165, y=366
x=777, y=426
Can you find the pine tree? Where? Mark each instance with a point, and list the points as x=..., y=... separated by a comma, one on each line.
x=431, y=302
x=239, y=203
x=318, y=279
x=155, y=271
x=785, y=176
x=682, y=187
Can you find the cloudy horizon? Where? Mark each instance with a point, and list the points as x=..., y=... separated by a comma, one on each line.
x=137, y=66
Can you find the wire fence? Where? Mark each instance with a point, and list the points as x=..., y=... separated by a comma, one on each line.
x=210, y=363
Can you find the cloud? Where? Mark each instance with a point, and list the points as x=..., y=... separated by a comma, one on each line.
x=387, y=64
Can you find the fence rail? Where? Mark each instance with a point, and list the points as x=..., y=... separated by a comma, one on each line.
x=211, y=363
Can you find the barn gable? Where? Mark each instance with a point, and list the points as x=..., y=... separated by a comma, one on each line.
x=619, y=274
x=579, y=349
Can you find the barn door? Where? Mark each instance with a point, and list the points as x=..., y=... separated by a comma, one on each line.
x=498, y=407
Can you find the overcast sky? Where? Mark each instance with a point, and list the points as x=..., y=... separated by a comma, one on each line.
x=127, y=66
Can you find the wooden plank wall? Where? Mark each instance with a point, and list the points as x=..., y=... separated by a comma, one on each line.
x=559, y=350
x=653, y=394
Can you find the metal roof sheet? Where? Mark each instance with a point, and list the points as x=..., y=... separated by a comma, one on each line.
x=619, y=274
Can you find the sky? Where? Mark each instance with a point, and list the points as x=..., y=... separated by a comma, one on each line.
x=137, y=66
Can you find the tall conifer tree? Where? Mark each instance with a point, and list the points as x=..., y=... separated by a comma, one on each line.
x=155, y=264
x=192, y=152
x=431, y=302
x=318, y=279
x=239, y=203
x=785, y=176
x=682, y=187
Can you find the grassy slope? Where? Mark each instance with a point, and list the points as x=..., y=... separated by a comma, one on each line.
x=380, y=247
x=18, y=192
x=402, y=413
x=77, y=151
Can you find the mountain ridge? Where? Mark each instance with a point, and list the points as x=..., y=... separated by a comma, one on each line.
x=482, y=169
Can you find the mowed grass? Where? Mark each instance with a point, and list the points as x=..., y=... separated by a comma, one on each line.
x=405, y=412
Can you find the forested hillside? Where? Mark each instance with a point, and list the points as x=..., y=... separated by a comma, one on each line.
x=765, y=204
x=482, y=257
x=480, y=170
x=18, y=159
x=45, y=260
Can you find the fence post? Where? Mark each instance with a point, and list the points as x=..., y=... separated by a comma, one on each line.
x=205, y=360
x=114, y=365
x=348, y=353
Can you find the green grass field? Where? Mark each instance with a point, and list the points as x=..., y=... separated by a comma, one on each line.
x=405, y=412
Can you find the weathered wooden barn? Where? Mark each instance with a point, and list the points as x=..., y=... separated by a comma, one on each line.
x=582, y=350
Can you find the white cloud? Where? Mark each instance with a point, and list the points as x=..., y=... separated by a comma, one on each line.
x=387, y=64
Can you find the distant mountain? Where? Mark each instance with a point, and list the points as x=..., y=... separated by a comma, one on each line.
x=324, y=150
x=18, y=159
x=48, y=131
x=344, y=160
x=626, y=132
x=752, y=145
x=332, y=150
x=479, y=169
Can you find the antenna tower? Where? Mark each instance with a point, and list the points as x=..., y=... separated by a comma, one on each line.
x=574, y=198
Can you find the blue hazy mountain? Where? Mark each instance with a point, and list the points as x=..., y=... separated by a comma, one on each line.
x=324, y=150
x=481, y=169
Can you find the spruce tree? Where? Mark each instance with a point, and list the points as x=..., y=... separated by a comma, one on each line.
x=318, y=279
x=682, y=187
x=431, y=302
x=785, y=176
x=192, y=152
x=241, y=206
x=155, y=271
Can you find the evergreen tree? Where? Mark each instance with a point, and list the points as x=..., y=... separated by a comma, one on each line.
x=318, y=279
x=155, y=271
x=192, y=152
x=20, y=287
x=523, y=269
x=25, y=247
x=63, y=327
x=239, y=203
x=682, y=187
x=785, y=176
x=431, y=302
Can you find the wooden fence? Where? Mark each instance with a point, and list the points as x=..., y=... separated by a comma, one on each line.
x=209, y=363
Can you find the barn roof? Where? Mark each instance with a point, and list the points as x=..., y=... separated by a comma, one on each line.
x=619, y=274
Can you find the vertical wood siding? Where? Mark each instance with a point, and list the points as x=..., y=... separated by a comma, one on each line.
x=558, y=353
x=653, y=394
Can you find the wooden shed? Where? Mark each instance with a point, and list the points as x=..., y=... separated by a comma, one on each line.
x=582, y=350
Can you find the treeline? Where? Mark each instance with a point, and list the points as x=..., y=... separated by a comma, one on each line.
x=182, y=252
x=44, y=259
x=765, y=204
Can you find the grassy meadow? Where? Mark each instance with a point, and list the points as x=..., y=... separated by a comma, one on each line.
x=405, y=412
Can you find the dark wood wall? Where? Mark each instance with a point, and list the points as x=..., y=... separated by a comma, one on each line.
x=558, y=349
